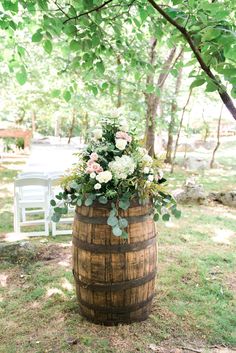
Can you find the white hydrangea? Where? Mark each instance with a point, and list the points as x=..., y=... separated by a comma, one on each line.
x=104, y=177
x=121, y=144
x=123, y=166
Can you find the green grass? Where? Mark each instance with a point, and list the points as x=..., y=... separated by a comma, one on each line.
x=7, y=175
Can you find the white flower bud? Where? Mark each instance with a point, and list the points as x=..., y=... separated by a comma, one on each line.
x=150, y=177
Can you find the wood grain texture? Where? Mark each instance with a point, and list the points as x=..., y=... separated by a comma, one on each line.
x=115, y=278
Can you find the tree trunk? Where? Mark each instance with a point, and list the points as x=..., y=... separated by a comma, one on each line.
x=152, y=99
x=218, y=139
x=118, y=104
x=72, y=125
x=85, y=127
x=172, y=123
x=33, y=117
x=57, y=126
x=179, y=130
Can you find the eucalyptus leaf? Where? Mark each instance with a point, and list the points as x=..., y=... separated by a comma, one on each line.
x=103, y=199
x=123, y=223
x=53, y=203
x=166, y=217
x=124, y=205
x=56, y=217
x=79, y=202
x=156, y=217
x=117, y=231
x=88, y=202
x=113, y=212
x=124, y=235
x=112, y=221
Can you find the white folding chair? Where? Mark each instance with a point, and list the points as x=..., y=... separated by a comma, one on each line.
x=55, y=189
x=29, y=190
x=31, y=193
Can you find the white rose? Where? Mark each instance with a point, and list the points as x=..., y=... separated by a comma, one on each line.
x=121, y=144
x=93, y=175
x=104, y=177
x=97, y=133
x=150, y=177
x=97, y=186
x=146, y=170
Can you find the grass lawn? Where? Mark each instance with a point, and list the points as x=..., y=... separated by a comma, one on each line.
x=194, y=306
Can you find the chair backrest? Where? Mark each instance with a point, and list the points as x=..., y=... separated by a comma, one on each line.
x=32, y=175
x=39, y=181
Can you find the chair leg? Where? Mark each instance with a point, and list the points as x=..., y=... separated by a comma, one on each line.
x=23, y=213
x=54, y=229
x=17, y=218
x=46, y=228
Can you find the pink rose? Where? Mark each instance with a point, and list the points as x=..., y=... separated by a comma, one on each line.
x=94, y=156
x=90, y=162
x=123, y=135
x=97, y=168
x=93, y=167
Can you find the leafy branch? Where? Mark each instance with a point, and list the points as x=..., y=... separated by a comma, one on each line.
x=97, y=8
x=220, y=88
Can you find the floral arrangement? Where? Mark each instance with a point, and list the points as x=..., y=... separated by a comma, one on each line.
x=114, y=168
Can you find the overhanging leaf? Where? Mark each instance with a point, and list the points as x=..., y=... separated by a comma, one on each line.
x=37, y=36
x=47, y=46
x=197, y=82
x=67, y=95
x=21, y=77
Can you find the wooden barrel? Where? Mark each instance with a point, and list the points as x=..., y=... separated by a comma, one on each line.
x=115, y=278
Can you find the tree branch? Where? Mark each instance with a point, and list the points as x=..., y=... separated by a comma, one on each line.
x=220, y=88
x=61, y=9
x=89, y=11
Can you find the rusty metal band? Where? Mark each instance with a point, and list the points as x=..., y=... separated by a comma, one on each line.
x=116, y=286
x=117, y=309
x=115, y=248
x=103, y=220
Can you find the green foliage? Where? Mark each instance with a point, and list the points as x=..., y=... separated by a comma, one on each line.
x=88, y=42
